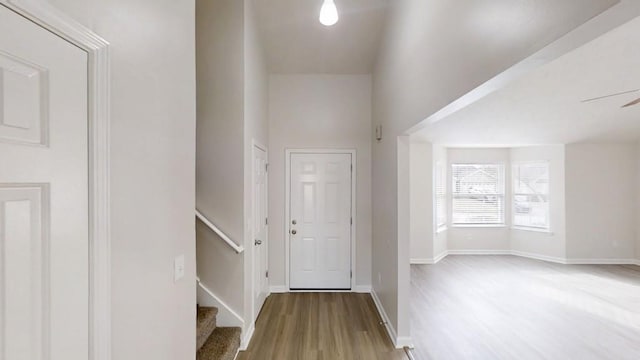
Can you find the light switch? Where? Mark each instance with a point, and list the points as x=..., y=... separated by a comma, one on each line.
x=178, y=268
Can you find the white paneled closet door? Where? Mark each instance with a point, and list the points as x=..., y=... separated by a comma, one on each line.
x=44, y=241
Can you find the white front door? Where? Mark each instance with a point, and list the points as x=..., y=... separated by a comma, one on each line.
x=44, y=242
x=320, y=221
x=261, y=287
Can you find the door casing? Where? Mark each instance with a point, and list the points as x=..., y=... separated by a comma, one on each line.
x=287, y=215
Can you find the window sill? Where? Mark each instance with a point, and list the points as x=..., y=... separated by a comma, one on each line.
x=479, y=226
x=532, y=229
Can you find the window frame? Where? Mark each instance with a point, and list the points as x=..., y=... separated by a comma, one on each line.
x=514, y=178
x=440, y=174
x=503, y=221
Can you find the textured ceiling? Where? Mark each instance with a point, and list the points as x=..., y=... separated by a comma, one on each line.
x=546, y=106
x=296, y=42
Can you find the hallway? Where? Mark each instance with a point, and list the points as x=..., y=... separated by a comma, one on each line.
x=314, y=326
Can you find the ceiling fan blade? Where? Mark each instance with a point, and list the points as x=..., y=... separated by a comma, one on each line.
x=610, y=95
x=634, y=102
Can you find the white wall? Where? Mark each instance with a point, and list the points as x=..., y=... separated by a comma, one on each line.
x=601, y=199
x=546, y=244
x=593, y=200
x=440, y=239
x=220, y=145
x=424, y=64
x=256, y=115
x=319, y=111
x=421, y=229
x=638, y=203
x=476, y=238
x=152, y=171
x=232, y=114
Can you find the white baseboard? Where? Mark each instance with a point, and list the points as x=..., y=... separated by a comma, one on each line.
x=553, y=259
x=366, y=289
x=601, y=261
x=420, y=261
x=428, y=261
x=404, y=341
x=440, y=257
x=479, y=252
x=278, y=289
x=398, y=342
x=246, y=339
x=226, y=315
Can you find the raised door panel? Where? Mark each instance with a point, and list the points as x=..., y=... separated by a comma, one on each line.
x=24, y=94
x=24, y=256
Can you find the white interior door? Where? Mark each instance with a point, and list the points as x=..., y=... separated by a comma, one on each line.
x=261, y=287
x=44, y=270
x=320, y=221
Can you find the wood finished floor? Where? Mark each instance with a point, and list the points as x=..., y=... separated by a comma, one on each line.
x=507, y=307
x=320, y=326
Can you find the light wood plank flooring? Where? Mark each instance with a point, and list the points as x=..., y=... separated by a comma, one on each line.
x=507, y=307
x=320, y=326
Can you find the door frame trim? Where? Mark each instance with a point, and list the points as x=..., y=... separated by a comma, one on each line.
x=98, y=101
x=287, y=191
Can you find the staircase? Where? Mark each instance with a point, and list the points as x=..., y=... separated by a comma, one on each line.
x=215, y=343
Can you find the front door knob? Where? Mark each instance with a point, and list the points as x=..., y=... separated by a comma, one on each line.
x=257, y=242
x=293, y=232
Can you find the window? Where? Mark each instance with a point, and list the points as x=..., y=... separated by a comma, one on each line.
x=478, y=194
x=441, y=196
x=531, y=195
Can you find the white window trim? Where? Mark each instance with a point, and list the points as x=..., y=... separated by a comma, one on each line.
x=539, y=229
x=451, y=196
x=440, y=227
x=479, y=225
x=531, y=228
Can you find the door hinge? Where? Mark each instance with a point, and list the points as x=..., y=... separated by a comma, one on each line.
x=351, y=167
x=266, y=221
x=351, y=221
x=351, y=274
x=266, y=274
x=266, y=167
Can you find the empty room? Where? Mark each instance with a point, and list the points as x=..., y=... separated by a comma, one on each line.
x=319, y=179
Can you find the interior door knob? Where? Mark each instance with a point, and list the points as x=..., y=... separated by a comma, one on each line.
x=257, y=242
x=293, y=232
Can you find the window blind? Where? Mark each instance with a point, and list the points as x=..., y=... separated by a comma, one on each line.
x=478, y=194
x=441, y=195
x=531, y=195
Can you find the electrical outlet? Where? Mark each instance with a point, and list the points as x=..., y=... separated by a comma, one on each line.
x=178, y=268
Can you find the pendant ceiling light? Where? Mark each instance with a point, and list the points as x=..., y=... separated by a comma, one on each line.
x=328, y=13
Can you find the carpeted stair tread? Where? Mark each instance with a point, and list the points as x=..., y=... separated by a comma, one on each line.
x=205, y=324
x=223, y=344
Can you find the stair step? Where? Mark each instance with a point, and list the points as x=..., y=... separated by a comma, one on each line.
x=205, y=324
x=223, y=344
